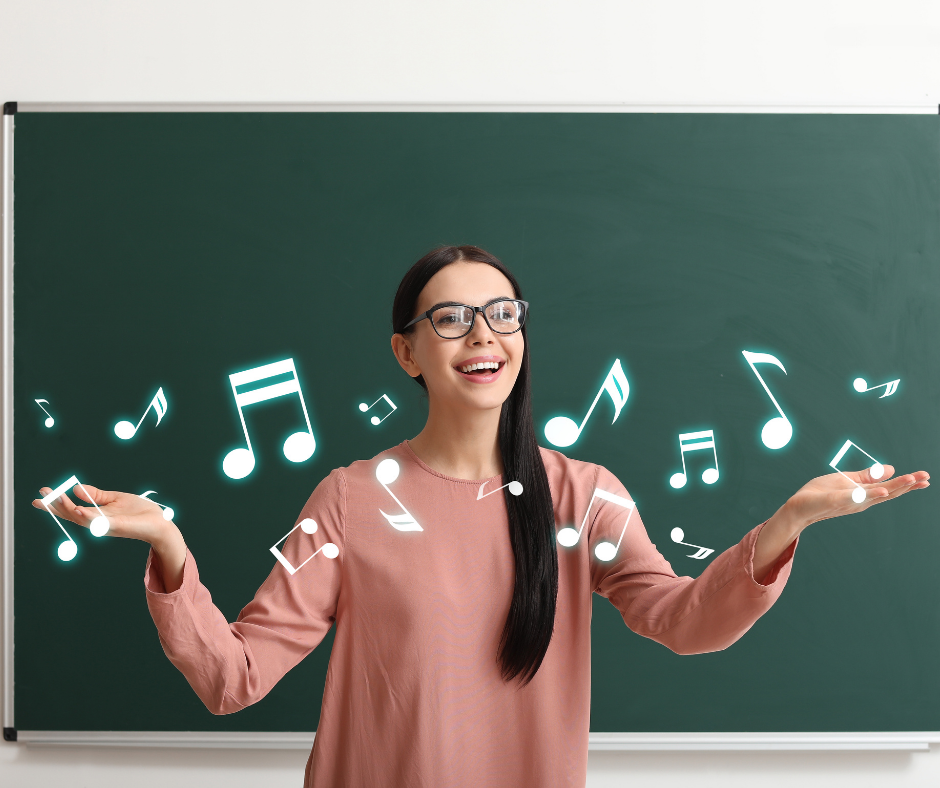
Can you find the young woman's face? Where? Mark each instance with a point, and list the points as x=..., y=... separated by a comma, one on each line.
x=440, y=361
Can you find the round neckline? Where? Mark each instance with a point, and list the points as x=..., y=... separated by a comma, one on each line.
x=429, y=469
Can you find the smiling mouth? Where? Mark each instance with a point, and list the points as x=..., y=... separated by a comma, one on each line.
x=483, y=368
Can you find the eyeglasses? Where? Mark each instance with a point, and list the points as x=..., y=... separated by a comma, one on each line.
x=452, y=320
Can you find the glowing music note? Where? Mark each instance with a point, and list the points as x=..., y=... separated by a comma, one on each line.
x=677, y=536
x=125, y=430
x=861, y=386
x=562, y=431
x=386, y=472
x=877, y=470
x=777, y=432
x=308, y=526
x=300, y=446
x=50, y=421
x=694, y=441
x=514, y=487
x=375, y=419
x=168, y=513
x=99, y=526
x=605, y=551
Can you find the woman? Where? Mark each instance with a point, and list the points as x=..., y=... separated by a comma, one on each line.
x=462, y=648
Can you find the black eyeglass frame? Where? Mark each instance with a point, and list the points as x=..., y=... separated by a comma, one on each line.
x=473, y=319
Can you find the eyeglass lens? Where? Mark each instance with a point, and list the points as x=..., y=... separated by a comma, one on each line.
x=504, y=317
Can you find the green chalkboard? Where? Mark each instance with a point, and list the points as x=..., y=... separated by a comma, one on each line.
x=171, y=250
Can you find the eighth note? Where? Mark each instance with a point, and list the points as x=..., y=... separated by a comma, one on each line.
x=777, y=432
x=562, y=431
x=308, y=526
x=694, y=441
x=99, y=526
x=168, y=513
x=125, y=430
x=605, y=551
x=514, y=487
x=677, y=535
x=861, y=387
x=877, y=470
x=386, y=472
x=50, y=421
x=375, y=419
x=298, y=447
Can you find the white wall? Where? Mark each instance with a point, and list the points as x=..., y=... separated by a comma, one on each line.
x=657, y=52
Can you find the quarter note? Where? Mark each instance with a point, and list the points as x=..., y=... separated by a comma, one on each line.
x=514, y=487
x=695, y=441
x=168, y=513
x=99, y=526
x=299, y=447
x=861, y=386
x=308, y=526
x=49, y=421
x=386, y=472
x=677, y=535
x=562, y=431
x=125, y=430
x=777, y=432
x=605, y=551
x=375, y=419
x=877, y=470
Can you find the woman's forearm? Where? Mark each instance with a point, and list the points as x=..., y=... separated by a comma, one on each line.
x=170, y=557
x=778, y=533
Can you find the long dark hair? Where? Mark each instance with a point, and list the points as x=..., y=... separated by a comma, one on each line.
x=531, y=619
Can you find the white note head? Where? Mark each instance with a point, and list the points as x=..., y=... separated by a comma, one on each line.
x=168, y=513
x=561, y=431
x=858, y=494
x=49, y=422
x=567, y=537
x=67, y=550
x=710, y=475
x=859, y=384
x=299, y=447
x=677, y=480
x=605, y=551
x=376, y=420
x=877, y=470
x=386, y=471
x=515, y=488
x=776, y=433
x=308, y=526
x=100, y=526
x=330, y=550
x=677, y=535
x=124, y=430
x=363, y=407
x=238, y=463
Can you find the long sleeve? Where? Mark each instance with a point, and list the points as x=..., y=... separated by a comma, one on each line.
x=689, y=616
x=231, y=666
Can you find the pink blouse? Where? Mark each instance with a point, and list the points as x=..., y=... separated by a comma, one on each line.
x=413, y=695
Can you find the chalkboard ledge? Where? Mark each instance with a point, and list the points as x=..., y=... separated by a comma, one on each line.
x=890, y=740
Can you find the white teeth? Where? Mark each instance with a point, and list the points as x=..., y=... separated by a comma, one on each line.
x=480, y=365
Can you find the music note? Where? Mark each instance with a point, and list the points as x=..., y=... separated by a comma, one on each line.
x=677, y=535
x=514, y=487
x=777, y=432
x=694, y=441
x=375, y=419
x=562, y=431
x=861, y=386
x=300, y=446
x=308, y=526
x=386, y=472
x=877, y=470
x=49, y=421
x=99, y=526
x=605, y=551
x=125, y=430
x=168, y=513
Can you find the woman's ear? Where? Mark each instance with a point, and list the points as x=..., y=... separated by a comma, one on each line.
x=401, y=347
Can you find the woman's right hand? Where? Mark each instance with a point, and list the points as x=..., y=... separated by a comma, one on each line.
x=131, y=517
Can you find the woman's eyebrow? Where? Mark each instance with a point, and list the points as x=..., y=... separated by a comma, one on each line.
x=461, y=303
